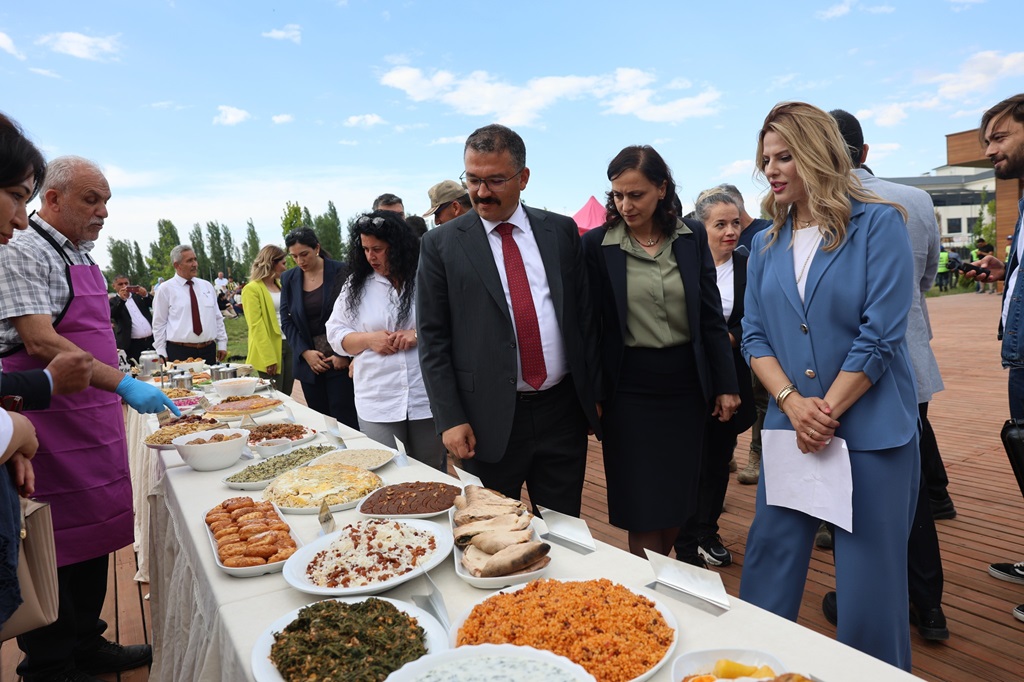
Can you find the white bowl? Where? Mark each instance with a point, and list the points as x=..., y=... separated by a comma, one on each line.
x=274, y=446
x=211, y=456
x=230, y=388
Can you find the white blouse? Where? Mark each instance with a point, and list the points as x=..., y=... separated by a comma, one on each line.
x=805, y=245
x=388, y=388
x=726, y=287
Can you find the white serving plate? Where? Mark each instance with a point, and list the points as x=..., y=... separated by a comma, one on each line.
x=497, y=582
x=310, y=435
x=193, y=367
x=394, y=453
x=248, y=571
x=334, y=507
x=410, y=672
x=670, y=620
x=425, y=515
x=435, y=637
x=703, y=662
x=170, y=446
x=295, y=567
x=239, y=417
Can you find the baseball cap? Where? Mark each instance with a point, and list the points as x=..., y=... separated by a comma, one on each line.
x=442, y=193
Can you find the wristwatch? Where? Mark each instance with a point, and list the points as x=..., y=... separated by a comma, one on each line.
x=12, y=403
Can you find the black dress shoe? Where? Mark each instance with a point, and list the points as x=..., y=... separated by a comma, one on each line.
x=110, y=657
x=931, y=623
x=942, y=509
x=829, y=608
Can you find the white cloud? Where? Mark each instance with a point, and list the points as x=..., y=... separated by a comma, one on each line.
x=880, y=150
x=7, y=45
x=835, y=11
x=230, y=116
x=679, y=84
x=893, y=113
x=979, y=73
x=121, y=178
x=455, y=139
x=45, y=72
x=364, y=121
x=292, y=32
x=961, y=5
x=880, y=9
x=348, y=143
x=971, y=113
x=167, y=104
x=624, y=91
x=282, y=118
x=81, y=46
x=743, y=167
x=402, y=127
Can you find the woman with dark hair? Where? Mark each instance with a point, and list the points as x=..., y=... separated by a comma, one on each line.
x=269, y=353
x=828, y=294
x=22, y=168
x=374, y=322
x=308, y=293
x=665, y=354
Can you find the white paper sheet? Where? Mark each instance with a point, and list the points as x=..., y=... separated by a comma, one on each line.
x=568, y=528
x=819, y=484
x=699, y=582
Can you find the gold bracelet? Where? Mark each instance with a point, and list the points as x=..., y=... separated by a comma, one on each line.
x=783, y=394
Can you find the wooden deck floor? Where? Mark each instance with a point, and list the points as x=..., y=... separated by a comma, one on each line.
x=986, y=642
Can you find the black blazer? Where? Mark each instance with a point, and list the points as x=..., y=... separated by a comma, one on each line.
x=31, y=385
x=606, y=267
x=294, y=324
x=467, y=343
x=122, y=319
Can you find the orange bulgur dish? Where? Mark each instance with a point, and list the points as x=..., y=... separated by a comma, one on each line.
x=616, y=634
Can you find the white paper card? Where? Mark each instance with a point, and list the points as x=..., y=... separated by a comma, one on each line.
x=468, y=478
x=699, y=582
x=401, y=459
x=567, y=527
x=819, y=484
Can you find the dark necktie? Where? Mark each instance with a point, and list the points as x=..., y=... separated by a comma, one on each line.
x=531, y=354
x=197, y=324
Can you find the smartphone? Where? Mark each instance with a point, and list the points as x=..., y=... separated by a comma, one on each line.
x=970, y=267
x=134, y=288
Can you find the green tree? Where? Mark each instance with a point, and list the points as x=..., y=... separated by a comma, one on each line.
x=121, y=261
x=140, y=269
x=250, y=249
x=215, y=247
x=986, y=229
x=195, y=239
x=159, y=259
x=328, y=230
x=292, y=218
x=231, y=255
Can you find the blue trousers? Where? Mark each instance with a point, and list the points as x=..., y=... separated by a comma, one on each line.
x=871, y=562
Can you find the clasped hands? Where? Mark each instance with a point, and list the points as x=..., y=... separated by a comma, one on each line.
x=812, y=420
x=389, y=343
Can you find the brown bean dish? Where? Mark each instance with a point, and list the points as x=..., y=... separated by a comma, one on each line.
x=413, y=497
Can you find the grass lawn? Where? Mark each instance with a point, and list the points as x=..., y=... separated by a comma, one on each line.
x=238, y=338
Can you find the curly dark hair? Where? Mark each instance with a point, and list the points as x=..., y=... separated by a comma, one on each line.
x=17, y=156
x=645, y=159
x=403, y=256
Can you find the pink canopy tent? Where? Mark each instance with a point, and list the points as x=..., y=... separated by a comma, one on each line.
x=590, y=216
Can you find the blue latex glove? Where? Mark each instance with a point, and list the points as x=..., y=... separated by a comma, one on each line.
x=144, y=397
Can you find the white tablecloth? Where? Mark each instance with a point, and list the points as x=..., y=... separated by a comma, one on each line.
x=206, y=622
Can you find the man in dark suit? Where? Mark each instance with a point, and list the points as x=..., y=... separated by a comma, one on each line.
x=131, y=311
x=506, y=337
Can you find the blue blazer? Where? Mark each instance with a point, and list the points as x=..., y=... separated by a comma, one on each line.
x=853, y=318
x=294, y=324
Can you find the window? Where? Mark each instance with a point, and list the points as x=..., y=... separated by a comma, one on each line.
x=971, y=224
x=954, y=225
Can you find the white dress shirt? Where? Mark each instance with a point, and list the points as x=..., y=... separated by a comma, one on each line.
x=550, y=333
x=172, y=315
x=6, y=430
x=141, y=328
x=388, y=388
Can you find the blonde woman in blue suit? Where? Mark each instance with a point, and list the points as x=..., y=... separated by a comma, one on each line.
x=828, y=293
x=269, y=353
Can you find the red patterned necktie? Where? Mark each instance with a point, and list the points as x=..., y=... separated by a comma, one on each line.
x=531, y=354
x=197, y=324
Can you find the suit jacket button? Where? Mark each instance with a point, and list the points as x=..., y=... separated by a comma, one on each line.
x=511, y=380
x=803, y=328
x=809, y=373
x=511, y=345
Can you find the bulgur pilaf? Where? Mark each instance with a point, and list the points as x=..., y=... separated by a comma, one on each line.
x=616, y=634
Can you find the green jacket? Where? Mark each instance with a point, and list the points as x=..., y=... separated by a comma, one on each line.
x=264, y=331
x=943, y=262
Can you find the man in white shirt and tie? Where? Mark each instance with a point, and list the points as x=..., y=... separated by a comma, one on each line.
x=186, y=319
x=508, y=346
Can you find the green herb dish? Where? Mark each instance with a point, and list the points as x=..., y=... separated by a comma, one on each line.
x=258, y=476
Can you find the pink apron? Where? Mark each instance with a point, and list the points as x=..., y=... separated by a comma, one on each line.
x=82, y=463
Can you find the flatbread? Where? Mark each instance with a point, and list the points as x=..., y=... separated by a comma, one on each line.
x=481, y=511
x=505, y=562
x=494, y=541
x=464, y=534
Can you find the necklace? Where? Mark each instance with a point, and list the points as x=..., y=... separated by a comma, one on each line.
x=807, y=261
x=651, y=241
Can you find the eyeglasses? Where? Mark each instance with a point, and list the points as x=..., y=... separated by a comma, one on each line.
x=367, y=220
x=492, y=184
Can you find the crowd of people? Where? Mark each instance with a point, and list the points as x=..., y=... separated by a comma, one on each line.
x=502, y=339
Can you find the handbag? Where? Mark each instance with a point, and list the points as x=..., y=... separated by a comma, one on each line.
x=37, y=572
x=321, y=343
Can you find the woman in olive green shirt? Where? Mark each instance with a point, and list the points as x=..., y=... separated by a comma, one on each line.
x=665, y=355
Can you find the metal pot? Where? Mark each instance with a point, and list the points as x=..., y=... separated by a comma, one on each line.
x=218, y=372
x=182, y=380
x=149, y=362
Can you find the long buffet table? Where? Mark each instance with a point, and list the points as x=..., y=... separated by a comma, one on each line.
x=206, y=622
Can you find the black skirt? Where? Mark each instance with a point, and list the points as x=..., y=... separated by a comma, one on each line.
x=653, y=429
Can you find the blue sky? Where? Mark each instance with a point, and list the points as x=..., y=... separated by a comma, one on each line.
x=224, y=111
